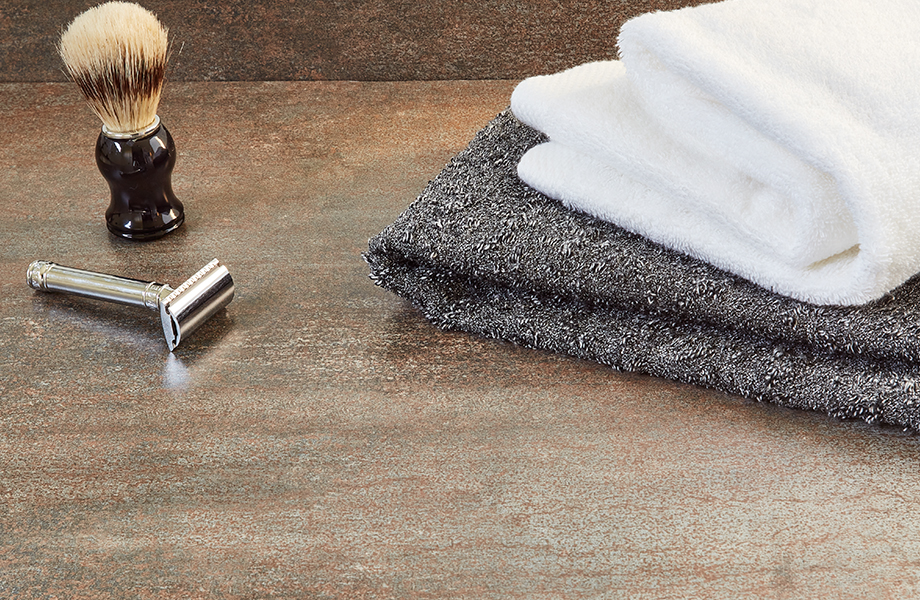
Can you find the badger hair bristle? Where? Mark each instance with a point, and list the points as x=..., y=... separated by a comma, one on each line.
x=116, y=53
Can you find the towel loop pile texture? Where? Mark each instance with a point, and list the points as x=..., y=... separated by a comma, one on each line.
x=481, y=252
x=778, y=140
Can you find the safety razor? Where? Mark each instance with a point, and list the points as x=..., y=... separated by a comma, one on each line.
x=182, y=310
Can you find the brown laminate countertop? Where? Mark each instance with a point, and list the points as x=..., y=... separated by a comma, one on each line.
x=319, y=439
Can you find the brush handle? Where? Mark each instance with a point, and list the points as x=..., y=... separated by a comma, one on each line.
x=51, y=277
x=139, y=173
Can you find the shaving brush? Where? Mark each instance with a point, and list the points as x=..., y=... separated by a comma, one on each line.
x=116, y=53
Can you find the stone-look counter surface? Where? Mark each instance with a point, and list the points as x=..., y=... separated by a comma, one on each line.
x=319, y=439
x=379, y=40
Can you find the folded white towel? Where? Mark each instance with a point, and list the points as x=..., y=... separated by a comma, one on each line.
x=779, y=140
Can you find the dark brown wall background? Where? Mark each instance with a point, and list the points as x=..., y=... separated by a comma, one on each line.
x=371, y=40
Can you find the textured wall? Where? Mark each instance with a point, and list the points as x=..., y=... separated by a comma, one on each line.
x=344, y=39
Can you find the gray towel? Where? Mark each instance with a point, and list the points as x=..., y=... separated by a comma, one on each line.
x=481, y=252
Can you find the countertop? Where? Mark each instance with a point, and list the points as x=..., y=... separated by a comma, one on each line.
x=319, y=439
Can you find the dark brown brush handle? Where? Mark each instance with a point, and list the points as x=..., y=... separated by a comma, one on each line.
x=139, y=173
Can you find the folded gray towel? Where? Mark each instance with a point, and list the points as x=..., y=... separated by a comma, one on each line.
x=481, y=252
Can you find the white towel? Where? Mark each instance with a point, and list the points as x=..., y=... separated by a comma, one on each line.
x=776, y=139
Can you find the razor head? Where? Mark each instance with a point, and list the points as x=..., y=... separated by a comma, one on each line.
x=187, y=307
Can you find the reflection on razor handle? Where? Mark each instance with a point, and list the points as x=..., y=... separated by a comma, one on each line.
x=182, y=310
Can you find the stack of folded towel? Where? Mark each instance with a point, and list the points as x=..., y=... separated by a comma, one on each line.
x=746, y=209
